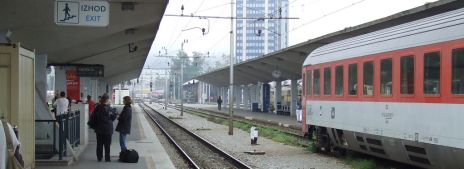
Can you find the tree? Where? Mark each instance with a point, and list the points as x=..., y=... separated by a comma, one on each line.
x=159, y=83
x=223, y=61
x=193, y=66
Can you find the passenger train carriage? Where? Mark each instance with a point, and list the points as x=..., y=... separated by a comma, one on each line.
x=396, y=93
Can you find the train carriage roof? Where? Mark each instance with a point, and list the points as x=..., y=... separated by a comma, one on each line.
x=438, y=28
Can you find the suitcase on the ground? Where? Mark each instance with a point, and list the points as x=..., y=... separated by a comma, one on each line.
x=129, y=156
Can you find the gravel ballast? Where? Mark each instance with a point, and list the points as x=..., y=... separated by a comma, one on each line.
x=277, y=155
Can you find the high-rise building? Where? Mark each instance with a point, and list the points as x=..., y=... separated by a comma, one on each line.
x=255, y=37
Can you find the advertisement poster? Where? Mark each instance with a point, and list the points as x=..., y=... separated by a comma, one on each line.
x=72, y=85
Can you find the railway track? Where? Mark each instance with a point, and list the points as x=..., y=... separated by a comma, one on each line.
x=383, y=162
x=279, y=127
x=198, y=152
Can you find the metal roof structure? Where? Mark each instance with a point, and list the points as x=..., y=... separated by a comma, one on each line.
x=289, y=60
x=133, y=22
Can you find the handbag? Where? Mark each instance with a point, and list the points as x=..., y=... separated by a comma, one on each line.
x=92, y=121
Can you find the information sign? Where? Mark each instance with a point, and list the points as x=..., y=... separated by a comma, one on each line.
x=82, y=13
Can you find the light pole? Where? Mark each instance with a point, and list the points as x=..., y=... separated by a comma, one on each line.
x=166, y=91
x=182, y=80
x=231, y=91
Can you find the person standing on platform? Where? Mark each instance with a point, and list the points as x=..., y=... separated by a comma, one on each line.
x=219, y=102
x=61, y=105
x=91, y=103
x=124, y=122
x=104, y=117
x=96, y=104
x=252, y=130
x=55, y=97
x=254, y=135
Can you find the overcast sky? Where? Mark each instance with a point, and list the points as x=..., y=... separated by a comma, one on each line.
x=316, y=18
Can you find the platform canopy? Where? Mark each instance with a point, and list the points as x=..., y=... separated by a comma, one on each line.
x=134, y=22
x=289, y=61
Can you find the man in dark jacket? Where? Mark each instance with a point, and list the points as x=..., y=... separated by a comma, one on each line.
x=219, y=102
x=104, y=117
x=124, y=123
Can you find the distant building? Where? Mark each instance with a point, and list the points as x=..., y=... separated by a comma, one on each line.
x=257, y=37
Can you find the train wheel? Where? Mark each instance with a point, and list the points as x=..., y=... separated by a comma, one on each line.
x=322, y=140
x=309, y=134
x=338, y=151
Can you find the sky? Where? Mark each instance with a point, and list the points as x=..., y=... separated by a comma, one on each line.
x=316, y=18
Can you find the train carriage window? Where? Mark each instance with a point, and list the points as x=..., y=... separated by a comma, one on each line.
x=353, y=79
x=407, y=75
x=327, y=81
x=317, y=82
x=458, y=71
x=432, y=73
x=386, y=76
x=309, y=80
x=368, y=77
x=339, y=80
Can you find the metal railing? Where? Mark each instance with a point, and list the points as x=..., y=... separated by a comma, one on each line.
x=73, y=127
x=65, y=127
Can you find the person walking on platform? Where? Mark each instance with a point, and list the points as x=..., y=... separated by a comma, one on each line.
x=91, y=103
x=61, y=105
x=124, y=123
x=219, y=102
x=104, y=117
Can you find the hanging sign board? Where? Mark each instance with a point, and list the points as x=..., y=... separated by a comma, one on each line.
x=91, y=71
x=82, y=13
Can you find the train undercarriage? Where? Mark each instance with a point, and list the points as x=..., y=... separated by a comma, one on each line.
x=338, y=142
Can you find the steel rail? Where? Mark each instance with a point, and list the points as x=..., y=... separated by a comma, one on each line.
x=177, y=146
x=227, y=156
x=242, y=119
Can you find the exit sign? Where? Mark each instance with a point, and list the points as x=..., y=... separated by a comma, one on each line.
x=82, y=13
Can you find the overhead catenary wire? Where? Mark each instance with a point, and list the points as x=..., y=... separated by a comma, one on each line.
x=326, y=15
x=220, y=40
x=213, y=7
x=228, y=17
x=270, y=14
x=223, y=17
x=175, y=40
x=281, y=8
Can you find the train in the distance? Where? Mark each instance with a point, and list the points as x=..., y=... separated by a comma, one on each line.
x=396, y=93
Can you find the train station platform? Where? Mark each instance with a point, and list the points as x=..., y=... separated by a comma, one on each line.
x=287, y=121
x=142, y=138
